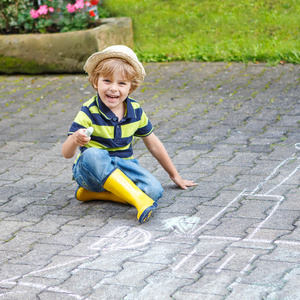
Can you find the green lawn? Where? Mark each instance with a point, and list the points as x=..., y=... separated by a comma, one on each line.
x=214, y=30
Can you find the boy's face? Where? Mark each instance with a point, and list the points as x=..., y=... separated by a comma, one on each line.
x=113, y=91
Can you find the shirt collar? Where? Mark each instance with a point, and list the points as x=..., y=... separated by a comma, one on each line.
x=108, y=114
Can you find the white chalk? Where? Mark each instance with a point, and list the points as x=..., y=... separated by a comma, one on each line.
x=89, y=131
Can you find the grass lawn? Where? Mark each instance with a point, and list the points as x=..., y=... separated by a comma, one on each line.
x=214, y=30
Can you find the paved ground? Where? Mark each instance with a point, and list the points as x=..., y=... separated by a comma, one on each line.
x=232, y=128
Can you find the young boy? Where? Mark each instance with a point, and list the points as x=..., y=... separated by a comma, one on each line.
x=105, y=168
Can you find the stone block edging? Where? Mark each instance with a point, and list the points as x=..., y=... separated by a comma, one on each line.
x=61, y=52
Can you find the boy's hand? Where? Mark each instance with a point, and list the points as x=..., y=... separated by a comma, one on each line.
x=184, y=184
x=80, y=139
x=156, y=148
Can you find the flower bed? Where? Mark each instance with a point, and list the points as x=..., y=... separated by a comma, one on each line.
x=45, y=16
x=61, y=52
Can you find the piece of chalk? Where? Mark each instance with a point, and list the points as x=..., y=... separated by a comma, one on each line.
x=89, y=131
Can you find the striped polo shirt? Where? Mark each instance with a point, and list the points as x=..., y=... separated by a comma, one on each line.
x=109, y=133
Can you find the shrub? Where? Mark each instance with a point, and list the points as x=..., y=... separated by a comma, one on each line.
x=32, y=16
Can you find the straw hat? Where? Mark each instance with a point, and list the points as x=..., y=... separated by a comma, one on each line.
x=117, y=51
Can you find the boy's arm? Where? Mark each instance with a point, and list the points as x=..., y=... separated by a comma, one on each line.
x=78, y=139
x=157, y=149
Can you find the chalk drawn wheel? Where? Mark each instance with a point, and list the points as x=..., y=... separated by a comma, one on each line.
x=123, y=237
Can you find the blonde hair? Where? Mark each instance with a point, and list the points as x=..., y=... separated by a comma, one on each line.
x=108, y=67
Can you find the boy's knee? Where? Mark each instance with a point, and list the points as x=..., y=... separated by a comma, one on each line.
x=92, y=155
x=97, y=162
x=154, y=191
x=95, y=153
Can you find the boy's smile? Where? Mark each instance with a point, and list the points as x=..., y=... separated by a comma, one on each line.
x=113, y=91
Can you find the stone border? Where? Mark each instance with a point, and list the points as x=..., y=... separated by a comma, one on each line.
x=61, y=52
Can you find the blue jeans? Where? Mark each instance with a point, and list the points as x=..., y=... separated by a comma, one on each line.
x=95, y=165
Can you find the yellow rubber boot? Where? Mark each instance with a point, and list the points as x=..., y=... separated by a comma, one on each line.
x=85, y=195
x=120, y=185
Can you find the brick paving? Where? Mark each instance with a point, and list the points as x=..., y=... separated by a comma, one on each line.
x=232, y=128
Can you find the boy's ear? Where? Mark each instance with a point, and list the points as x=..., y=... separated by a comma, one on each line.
x=95, y=86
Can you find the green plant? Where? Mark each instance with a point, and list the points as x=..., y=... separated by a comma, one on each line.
x=9, y=13
x=24, y=16
x=206, y=30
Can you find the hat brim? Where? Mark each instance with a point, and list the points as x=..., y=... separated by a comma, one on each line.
x=97, y=57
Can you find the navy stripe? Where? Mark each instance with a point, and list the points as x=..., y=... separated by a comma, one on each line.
x=94, y=112
x=121, y=154
x=118, y=153
x=74, y=127
x=109, y=143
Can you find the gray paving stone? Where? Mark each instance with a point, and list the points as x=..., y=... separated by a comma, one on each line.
x=250, y=291
x=110, y=291
x=268, y=273
x=159, y=287
x=233, y=128
x=133, y=274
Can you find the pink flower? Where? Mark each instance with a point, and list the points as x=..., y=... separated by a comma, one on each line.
x=94, y=2
x=87, y=4
x=70, y=8
x=43, y=10
x=79, y=4
x=34, y=14
x=51, y=9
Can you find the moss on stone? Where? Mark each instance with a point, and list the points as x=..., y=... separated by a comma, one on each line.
x=12, y=65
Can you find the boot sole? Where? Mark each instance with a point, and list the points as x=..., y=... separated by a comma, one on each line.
x=146, y=214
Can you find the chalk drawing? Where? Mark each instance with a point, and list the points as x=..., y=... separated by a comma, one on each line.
x=19, y=280
x=225, y=263
x=185, y=259
x=188, y=226
x=123, y=237
x=182, y=224
x=201, y=262
x=243, y=271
